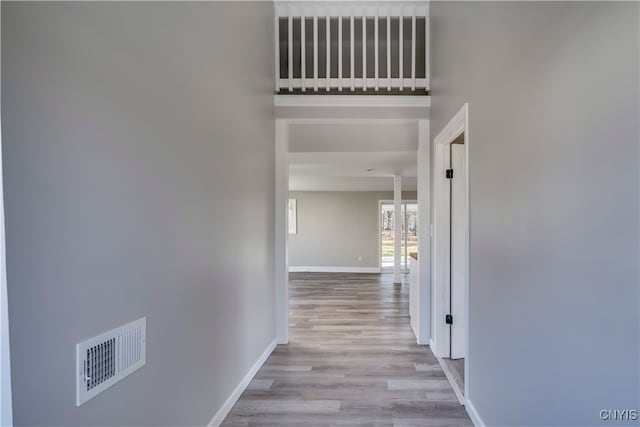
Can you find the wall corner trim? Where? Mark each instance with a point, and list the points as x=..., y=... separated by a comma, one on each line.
x=222, y=413
x=473, y=414
x=432, y=347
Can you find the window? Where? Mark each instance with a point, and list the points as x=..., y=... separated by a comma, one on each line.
x=293, y=216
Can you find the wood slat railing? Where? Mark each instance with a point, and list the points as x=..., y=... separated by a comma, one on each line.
x=352, y=47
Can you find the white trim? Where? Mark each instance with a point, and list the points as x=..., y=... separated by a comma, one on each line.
x=358, y=7
x=281, y=239
x=219, y=417
x=424, y=234
x=413, y=51
x=376, y=47
x=334, y=83
x=458, y=125
x=6, y=415
x=379, y=235
x=327, y=22
x=398, y=222
x=276, y=23
x=339, y=58
x=342, y=121
x=289, y=53
x=427, y=57
x=454, y=127
x=364, y=81
x=303, y=50
x=352, y=50
x=315, y=49
x=351, y=101
x=473, y=414
x=389, y=49
x=468, y=405
x=452, y=381
x=296, y=269
x=432, y=346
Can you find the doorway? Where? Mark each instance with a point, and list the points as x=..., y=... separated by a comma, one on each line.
x=457, y=195
x=281, y=273
x=450, y=330
x=409, y=233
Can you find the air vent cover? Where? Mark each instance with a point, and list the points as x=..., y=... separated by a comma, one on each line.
x=105, y=359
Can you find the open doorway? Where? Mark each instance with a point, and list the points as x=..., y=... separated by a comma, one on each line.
x=306, y=153
x=451, y=261
x=409, y=233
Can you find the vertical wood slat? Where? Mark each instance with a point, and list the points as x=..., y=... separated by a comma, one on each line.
x=413, y=49
x=402, y=12
x=353, y=54
x=376, y=47
x=401, y=47
x=364, y=49
x=277, y=50
x=340, y=51
x=389, y=48
x=427, y=70
x=303, y=53
x=315, y=49
x=290, y=49
x=328, y=31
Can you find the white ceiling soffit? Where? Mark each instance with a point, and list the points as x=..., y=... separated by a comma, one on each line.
x=333, y=183
x=336, y=114
x=347, y=137
x=363, y=164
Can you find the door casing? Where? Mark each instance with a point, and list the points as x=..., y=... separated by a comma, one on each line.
x=440, y=266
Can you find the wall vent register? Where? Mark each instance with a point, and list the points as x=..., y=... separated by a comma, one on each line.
x=107, y=358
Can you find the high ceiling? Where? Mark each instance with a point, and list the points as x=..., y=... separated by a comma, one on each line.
x=352, y=156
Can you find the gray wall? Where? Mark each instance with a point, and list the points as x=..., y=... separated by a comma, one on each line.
x=138, y=166
x=336, y=227
x=553, y=164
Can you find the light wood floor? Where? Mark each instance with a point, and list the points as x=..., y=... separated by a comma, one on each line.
x=351, y=360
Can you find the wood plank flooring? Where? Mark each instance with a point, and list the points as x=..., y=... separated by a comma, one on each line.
x=351, y=360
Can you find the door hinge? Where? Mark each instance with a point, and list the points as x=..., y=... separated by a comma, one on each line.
x=448, y=319
x=449, y=173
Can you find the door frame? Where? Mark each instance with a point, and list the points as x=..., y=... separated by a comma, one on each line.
x=281, y=262
x=440, y=341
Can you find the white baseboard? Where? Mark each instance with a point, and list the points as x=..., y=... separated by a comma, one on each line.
x=334, y=269
x=419, y=341
x=473, y=414
x=219, y=417
x=452, y=381
x=468, y=406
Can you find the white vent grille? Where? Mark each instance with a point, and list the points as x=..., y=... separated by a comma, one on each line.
x=105, y=359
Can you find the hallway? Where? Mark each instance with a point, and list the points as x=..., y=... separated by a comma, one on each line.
x=351, y=360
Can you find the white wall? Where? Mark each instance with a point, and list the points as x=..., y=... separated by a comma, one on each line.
x=554, y=171
x=138, y=158
x=337, y=227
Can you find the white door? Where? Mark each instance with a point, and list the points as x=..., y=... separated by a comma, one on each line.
x=458, y=251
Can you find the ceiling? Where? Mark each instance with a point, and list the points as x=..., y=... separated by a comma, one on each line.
x=352, y=156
